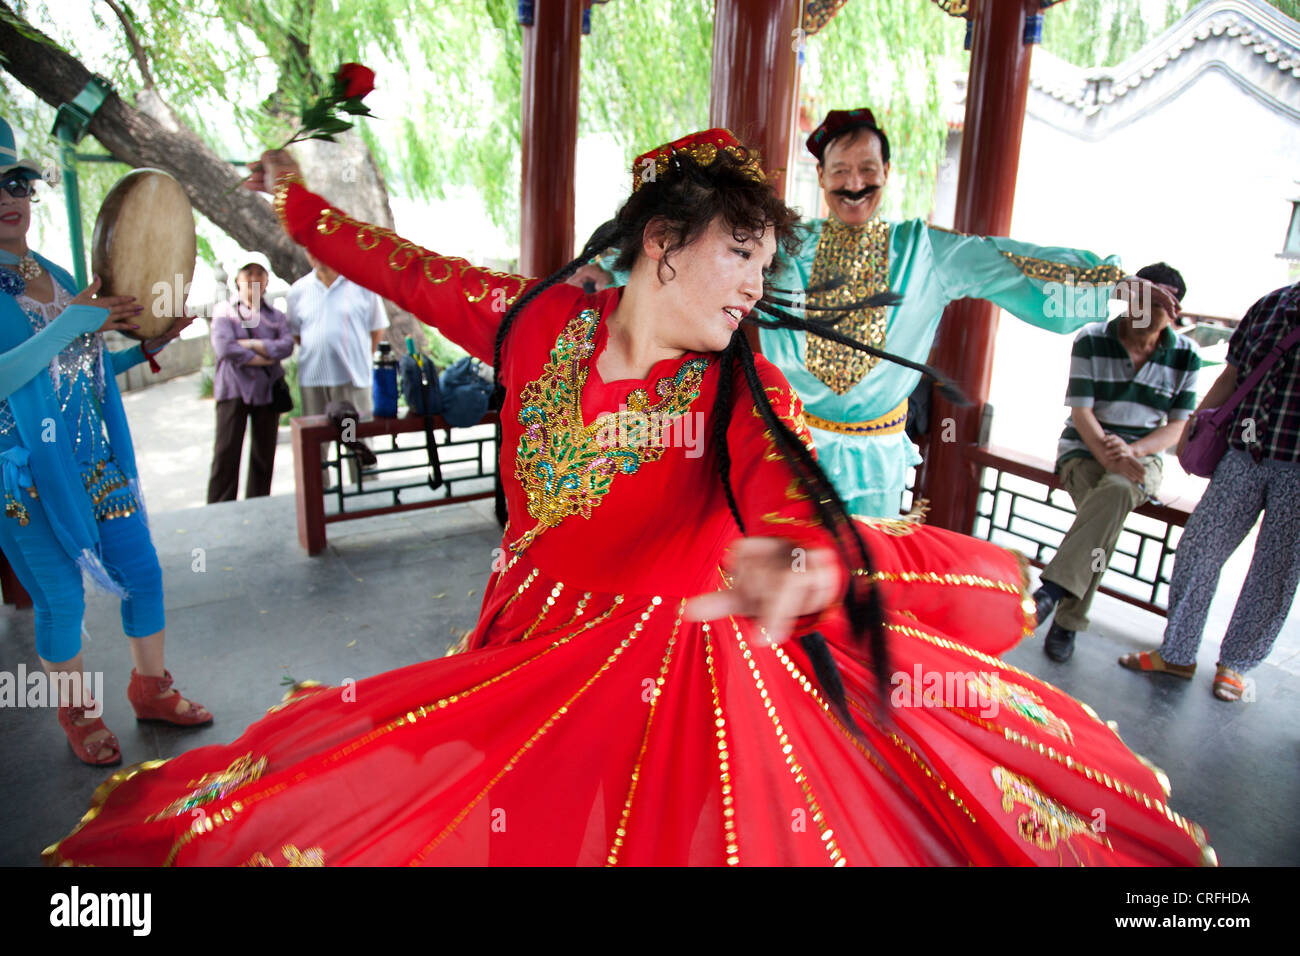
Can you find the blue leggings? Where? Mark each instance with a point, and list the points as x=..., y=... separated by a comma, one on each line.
x=54, y=580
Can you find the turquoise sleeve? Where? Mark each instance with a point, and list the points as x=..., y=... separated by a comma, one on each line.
x=24, y=362
x=1054, y=288
x=124, y=359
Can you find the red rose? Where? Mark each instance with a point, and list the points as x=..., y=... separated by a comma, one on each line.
x=355, y=80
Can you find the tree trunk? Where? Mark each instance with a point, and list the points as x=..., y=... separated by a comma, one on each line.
x=345, y=173
x=151, y=136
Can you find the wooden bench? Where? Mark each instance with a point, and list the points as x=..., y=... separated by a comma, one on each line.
x=308, y=435
x=1172, y=512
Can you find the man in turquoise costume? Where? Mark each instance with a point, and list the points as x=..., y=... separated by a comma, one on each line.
x=854, y=403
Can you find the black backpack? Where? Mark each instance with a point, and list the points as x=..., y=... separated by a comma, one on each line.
x=465, y=393
x=419, y=384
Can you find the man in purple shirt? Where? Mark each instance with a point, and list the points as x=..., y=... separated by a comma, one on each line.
x=249, y=339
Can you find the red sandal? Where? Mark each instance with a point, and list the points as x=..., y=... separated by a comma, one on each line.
x=105, y=752
x=146, y=695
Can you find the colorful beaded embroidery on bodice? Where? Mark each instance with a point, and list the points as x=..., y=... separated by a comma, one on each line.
x=566, y=467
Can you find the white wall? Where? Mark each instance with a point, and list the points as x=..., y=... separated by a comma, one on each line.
x=1202, y=182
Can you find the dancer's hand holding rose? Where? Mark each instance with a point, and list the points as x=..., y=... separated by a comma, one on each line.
x=265, y=171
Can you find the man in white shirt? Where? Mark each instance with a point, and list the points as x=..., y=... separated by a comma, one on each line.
x=338, y=325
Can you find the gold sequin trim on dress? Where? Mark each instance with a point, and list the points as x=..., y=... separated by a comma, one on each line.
x=1102, y=779
x=731, y=842
x=281, y=193
x=859, y=255
x=312, y=856
x=891, y=423
x=789, y=408
x=620, y=832
x=1020, y=700
x=1061, y=272
x=938, y=781
x=52, y=855
x=206, y=824
x=546, y=609
x=212, y=787
x=541, y=731
x=476, y=283
x=916, y=759
x=1045, y=823
x=824, y=830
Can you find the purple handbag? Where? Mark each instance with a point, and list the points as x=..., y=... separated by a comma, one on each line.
x=1207, y=439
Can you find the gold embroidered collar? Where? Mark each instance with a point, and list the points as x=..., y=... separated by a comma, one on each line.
x=565, y=466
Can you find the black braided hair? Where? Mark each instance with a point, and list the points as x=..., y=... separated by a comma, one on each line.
x=604, y=237
x=862, y=600
x=721, y=420
x=690, y=197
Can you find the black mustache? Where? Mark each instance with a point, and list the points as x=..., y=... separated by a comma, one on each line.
x=851, y=195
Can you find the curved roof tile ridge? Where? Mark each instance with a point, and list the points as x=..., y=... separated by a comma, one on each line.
x=1264, y=29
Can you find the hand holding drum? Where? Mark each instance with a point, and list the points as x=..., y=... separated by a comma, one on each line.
x=122, y=309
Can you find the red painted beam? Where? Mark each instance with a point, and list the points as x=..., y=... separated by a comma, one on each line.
x=755, y=81
x=755, y=76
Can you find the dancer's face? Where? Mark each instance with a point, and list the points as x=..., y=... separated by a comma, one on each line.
x=852, y=175
x=710, y=284
x=15, y=216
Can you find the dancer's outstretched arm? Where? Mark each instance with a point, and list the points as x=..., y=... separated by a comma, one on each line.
x=462, y=301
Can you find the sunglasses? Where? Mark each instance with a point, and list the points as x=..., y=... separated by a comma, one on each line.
x=18, y=187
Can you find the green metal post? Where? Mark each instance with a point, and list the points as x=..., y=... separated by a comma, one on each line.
x=72, y=197
x=70, y=124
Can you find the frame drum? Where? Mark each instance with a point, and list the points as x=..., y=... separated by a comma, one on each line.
x=144, y=246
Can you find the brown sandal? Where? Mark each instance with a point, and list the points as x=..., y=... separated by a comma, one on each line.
x=1152, y=662
x=105, y=752
x=1228, y=684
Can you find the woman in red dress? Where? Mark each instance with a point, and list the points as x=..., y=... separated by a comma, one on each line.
x=629, y=695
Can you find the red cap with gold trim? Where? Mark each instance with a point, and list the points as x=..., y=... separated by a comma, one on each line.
x=702, y=148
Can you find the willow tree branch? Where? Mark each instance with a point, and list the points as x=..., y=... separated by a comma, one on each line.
x=155, y=138
x=137, y=48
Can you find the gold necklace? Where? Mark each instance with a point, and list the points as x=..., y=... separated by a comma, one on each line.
x=29, y=268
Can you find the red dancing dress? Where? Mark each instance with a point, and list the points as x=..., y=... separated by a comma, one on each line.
x=585, y=722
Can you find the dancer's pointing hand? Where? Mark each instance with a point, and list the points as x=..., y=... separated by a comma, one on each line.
x=774, y=583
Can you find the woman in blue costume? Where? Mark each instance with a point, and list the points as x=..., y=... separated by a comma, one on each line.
x=72, y=500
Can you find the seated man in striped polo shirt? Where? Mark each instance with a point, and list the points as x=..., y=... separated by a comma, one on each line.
x=1132, y=389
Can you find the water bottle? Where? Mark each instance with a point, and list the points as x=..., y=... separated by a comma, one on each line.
x=384, y=390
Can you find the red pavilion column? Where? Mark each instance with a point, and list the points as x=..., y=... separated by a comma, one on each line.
x=755, y=75
x=552, y=46
x=990, y=156
x=755, y=80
